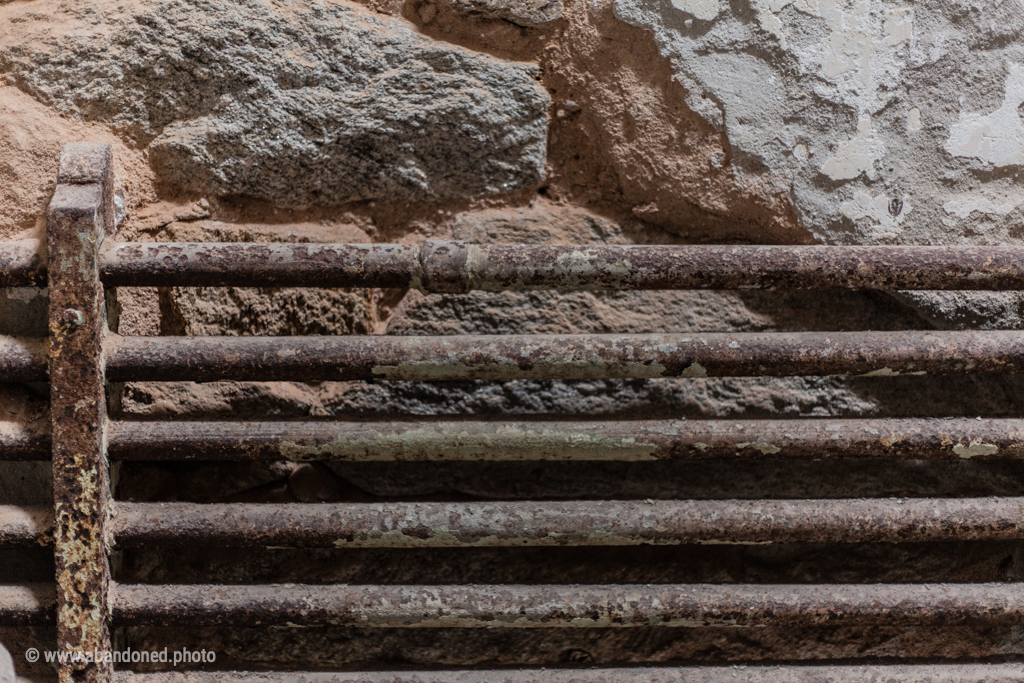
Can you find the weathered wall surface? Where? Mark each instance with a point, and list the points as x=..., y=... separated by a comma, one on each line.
x=538, y=121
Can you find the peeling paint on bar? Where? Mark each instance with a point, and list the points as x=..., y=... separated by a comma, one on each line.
x=974, y=449
x=507, y=443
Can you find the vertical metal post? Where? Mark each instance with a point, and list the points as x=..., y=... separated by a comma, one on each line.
x=79, y=217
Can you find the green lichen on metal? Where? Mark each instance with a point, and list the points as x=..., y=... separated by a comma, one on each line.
x=506, y=444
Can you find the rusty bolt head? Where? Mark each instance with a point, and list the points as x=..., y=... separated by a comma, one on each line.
x=72, y=317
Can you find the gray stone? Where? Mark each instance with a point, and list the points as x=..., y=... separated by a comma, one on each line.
x=891, y=122
x=294, y=103
x=522, y=12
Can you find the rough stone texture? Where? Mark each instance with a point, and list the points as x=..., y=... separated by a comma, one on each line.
x=625, y=142
x=267, y=311
x=297, y=104
x=31, y=137
x=889, y=121
x=522, y=12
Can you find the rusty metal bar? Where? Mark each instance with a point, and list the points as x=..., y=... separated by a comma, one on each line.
x=22, y=264
x=154, y=264
x=24, y=525
x=564, y=356
x=615, y=440
x=901, y=673
x=80, y=216
x=22, y=360
x=24, y=441
x=571, y=523
x=437, y=266
x=26, y=604
x=551, y=606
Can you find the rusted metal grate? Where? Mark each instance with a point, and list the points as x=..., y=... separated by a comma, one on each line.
x=81, y=356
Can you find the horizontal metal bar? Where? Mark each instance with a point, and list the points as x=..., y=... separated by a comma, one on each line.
x=22, y=360
x=152, y=264
x=458, y=267
x=897, y=673
x=578, y=606
x=614, y=440
x=563, y=356
x=22, y=264
x=573, y=523
x=24, y=525
x=24, y=441
x=27, y=604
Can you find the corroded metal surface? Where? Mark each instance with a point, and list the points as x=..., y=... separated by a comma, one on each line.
x=150, y=264
x=80, y=215
x=22, y=264
x=564, y=356
x=522, y=606
x=22, y=360
x=620, y=440
x=598, y=523
x=20, y=525
x=24, y=441
x=26, y=604
x=901, y=673
x=437, y=266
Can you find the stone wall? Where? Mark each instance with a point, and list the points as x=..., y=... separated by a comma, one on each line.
x=537, y=121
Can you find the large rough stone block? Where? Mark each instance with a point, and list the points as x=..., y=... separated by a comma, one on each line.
x=320, y=102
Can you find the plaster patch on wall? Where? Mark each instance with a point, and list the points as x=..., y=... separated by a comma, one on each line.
x=858, y=55
x=879, y=208
x=964, y=205
x=705, y=10
x=914, y=120
x=856, y=156
x=997, y=138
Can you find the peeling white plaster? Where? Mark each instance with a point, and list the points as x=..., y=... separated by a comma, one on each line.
x=997, y=138
x=856, y=156
x=914, y=120
x=876, y=208
x=768, y=10
x=863, y=51
x=705, y=10
x=964, y=206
